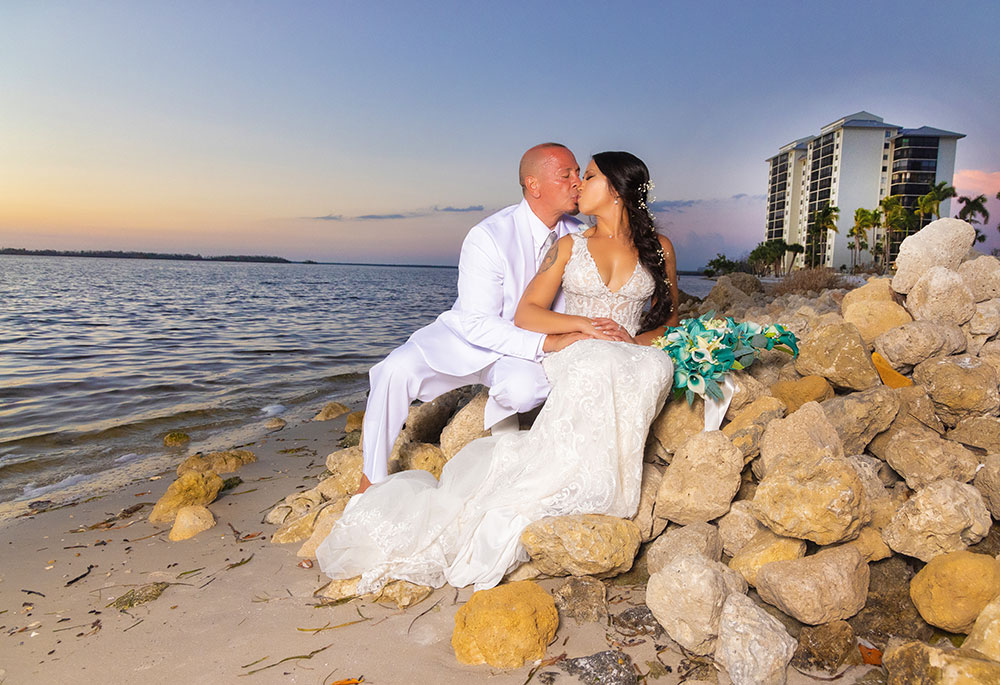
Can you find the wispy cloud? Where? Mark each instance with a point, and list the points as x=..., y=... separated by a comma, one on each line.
x=978, y=182
x=395, y=216
x=328, y=217
x=672, y=205
x=470, y=208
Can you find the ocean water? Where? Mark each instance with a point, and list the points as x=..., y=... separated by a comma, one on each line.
x=99, y=358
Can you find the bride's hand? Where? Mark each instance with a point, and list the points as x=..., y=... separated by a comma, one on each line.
x=595, y=328
x=612, y=329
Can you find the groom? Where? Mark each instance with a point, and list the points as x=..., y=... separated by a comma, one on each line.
x=476, y=340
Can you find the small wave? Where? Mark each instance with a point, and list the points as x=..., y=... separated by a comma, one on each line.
x=127, y=458
x=273, y=409
x=31, y=490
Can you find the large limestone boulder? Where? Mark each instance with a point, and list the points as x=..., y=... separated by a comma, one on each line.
x=945, y=516
x=762, y=549
x=961, y=386
x=748, y=390
x=753, y=647
x=190, y=521
x=988, y=483
x=330, y=411
x=738, y=527
x=724, y=296
x=302, y=527
x=191, y=488
x=820, y=499
x=941, y=295
x=906, y=346
x=870, y=544
x=465, y=426
x=986, y=320
x=505, y=626
x=748, y=283
x=747, y=425
x=806, y=389
x=921, y=457
x=322, y=525
x=916, y=413
x=982, y=277
x=875, y=290
x=345, y=469
x=650, y=525
x=677, y=422
x=838, y=353
x=581, y=545
x=875, y=318
x=985, y=634
x=421, y=456
x=953, y=588
x=695, y=538
x=860, y=416
x=805, y=434
x=228, y=461
x=944, y=243
x=829, y=585
x=978, y=431
x=687, y=596
x=909, y=663
x=424, y=422
x=701, y=481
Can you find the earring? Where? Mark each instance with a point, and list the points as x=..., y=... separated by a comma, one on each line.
x=616, y=200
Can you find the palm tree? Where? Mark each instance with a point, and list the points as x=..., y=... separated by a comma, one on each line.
x=894, y=220
x=940, y=191
x=796, y=250
x=863, y=220
x=972, y=207
x=927, y=204
x=823, y=219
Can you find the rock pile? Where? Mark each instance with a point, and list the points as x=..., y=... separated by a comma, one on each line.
x=847, y=499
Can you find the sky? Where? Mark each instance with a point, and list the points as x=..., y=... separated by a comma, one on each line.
x=379, y=132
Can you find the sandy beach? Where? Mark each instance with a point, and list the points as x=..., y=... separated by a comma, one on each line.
x=237, y=605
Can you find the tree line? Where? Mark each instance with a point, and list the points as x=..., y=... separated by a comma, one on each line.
x=119, y=254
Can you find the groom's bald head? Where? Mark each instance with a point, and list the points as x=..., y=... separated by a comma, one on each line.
x=550, y=181
x=533, y=161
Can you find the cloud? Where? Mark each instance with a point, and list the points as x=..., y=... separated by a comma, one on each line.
x=977, y=181
x=470, y=208
x=672, y=205
x=328, y=217
x=383, y=217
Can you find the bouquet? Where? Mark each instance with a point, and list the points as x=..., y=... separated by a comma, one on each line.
x=705, y=349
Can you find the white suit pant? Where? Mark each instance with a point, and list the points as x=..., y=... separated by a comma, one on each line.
x=516, y=385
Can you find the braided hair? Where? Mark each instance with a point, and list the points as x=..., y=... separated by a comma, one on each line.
x=629, y=177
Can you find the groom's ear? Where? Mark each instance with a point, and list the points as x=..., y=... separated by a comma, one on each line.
x=531, y=187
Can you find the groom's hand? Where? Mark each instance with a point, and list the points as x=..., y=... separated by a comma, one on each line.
x=557, y=341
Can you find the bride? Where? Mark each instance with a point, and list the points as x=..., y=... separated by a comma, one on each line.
x=583, y=455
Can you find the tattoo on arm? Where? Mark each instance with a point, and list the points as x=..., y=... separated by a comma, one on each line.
x=550, y=258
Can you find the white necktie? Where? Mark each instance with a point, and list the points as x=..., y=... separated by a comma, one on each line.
x=547, y=244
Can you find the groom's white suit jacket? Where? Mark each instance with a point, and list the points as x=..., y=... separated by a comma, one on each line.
x=500, y=255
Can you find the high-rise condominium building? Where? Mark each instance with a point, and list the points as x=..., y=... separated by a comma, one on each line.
x=855, y=161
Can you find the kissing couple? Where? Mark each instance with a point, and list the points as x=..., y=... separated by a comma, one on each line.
x=546, y=308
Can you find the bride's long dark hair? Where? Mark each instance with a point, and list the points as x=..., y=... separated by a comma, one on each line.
x=629, y=177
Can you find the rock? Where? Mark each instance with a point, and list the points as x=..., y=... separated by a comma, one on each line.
x=748, y=283
x=325, y=520
x=910, y=344
x=911, y=663
x=191, y=488
x=988, y=483
x=331, y=410
x=803, y=435
x=303, y=501
x=875, y=318
x=686, y=597
x=339, y=589
x=505, y=626
x=820, y=499
x=419, y=455
x=637, y=621
x=764, y=548
x=829, y=648
x=985, y=634
x=978, y=431
x=747, y=426
x=609, y=667
x=275, y=424
x=278, y=515
x=944, y=242
x=922, y=456
x=748, y=390
x=945, y=516
x=888, y=610
x=870, y=544
x=695, y=538
x=986, y=320
x=190, y=521
x=676, y=423
x=829, y=585
x=350, y=439
x=219, y=462
x=753, y=647
x=301, y=527
x=402, y=593
x=581, y=545
x=839, y=354
x=960, y=386
x=701, y=480
x=176, y=439
x=953, y=588
x=465, y=426
x=860, y=416
x=724, y=296
x=650, y=525
x=345, y=469
x=582, y=599
x=355, y=421
x=807, y=389
x=982, y=277
x=875, y=290
x=426, y=421
x=738, y=527
x=916, y=413
x=941, y=295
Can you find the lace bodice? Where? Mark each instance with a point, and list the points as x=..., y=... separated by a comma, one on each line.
x=586, y=294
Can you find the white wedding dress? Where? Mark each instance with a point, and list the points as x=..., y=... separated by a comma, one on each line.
x=583, y=455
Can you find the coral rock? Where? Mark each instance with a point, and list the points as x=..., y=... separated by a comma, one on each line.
x=650, y=525
x=961, y=387
x=764, y=548
x=941, y=295
x=695, y=538
x=331, y=410
x=874, y=318
x=828, y=648
x=419, y=455
x=738, y=527
x=701, y=481
x=176, y=439
x=355, y=421
x=801, y=436
x=753, y=647
x=465, y=426
x=322, y=526
x=582, y=599
x=219, y=462
x=581, y=545
x=953, y=588
x=345, y=469
x=944, y=242
x=747, y=426
x=982, y=277
x=978, y=431
x=190, y=521
x=922, y=456
x=807, y=389
x=945, y=516
x=906, y=346
x=988, y=483
x=829, y=585
x=189, y=489
x=839, y=354
x=985, y=634
x=860, y=416
x=676, y=423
